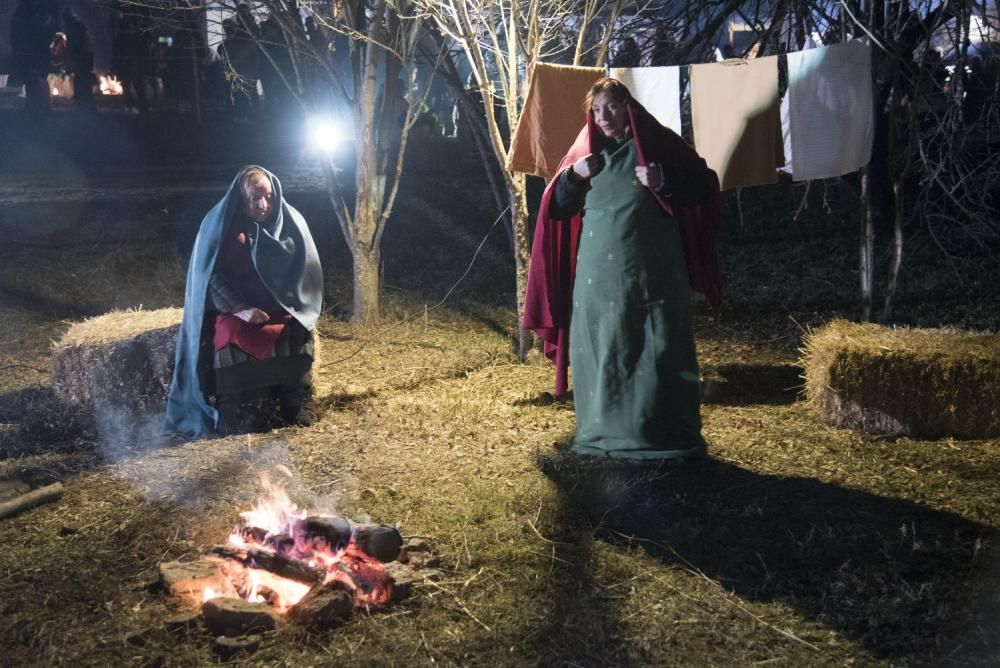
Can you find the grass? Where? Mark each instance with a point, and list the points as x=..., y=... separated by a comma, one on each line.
x=796, y=544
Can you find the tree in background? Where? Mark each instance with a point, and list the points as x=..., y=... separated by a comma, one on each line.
x=374, y=81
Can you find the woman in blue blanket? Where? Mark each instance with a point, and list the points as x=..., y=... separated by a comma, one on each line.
x=253, y=296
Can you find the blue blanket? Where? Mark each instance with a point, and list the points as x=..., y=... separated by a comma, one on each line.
x=286, y=261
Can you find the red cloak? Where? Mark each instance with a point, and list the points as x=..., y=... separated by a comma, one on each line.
x=548, y=302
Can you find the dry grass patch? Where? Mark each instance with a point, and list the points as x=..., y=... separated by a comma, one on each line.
x=784, y=548
x=920, y=382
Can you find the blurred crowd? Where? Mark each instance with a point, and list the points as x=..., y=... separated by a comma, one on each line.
x=162, y=62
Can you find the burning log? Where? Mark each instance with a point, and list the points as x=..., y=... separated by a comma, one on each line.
x=189, y=580
x=291, y=569
x=234, y=616
x=322, y=533
x=33, y=498
x=331, y=535
x=379, y=541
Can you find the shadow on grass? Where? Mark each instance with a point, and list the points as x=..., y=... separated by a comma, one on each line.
x=893, y=575
x=34, y=421
x=31, y=301
x=340, y=401
x=744, y=384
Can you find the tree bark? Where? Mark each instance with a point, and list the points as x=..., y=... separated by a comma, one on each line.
x=367, y=285
x=522, y=255
x=897, y=251
x=867, y=247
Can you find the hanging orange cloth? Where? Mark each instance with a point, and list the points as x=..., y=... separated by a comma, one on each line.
x=550, y=119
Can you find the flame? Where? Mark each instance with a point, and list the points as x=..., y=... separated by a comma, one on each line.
x=274, y=513
x=55, y=92
x=110, y=85
x=284, y=592
x=273, y=526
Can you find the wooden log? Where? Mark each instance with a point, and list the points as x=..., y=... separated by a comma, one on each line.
x=334, y=534
x=33, y=498
x=234, y=616
x=378, y=540
x=285, y=567
x=325, y=607
x=331, y=533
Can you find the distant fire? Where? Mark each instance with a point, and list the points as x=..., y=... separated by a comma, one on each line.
x=110, y=85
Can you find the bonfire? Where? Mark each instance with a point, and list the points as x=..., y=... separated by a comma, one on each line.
x=281, y=561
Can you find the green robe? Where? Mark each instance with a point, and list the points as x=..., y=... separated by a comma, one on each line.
x=632, y=353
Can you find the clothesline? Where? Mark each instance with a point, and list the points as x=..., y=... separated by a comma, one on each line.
x=825, y=120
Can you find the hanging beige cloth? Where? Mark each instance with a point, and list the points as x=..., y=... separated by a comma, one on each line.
x=552, y=117
x=734, y=112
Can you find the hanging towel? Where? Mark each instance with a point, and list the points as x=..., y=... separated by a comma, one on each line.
x=734, y=111
x=657, y=89
x=551, y=118
x=830, y=109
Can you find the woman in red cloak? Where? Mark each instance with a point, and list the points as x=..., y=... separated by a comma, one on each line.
x=628, y=224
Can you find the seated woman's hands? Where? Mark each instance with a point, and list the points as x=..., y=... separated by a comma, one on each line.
x=251, y=314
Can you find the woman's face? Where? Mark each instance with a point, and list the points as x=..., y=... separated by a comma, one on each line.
x=258, y=196
x=610, y=115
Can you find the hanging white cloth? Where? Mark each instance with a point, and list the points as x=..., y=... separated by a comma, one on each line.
x=786, y=130
x=657, y=89
x=830, y=115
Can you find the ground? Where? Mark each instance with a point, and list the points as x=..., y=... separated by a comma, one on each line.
x=795, y=544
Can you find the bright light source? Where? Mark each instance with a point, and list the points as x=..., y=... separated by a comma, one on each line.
x=324, y=134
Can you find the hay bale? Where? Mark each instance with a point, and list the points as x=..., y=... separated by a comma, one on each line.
x=918, y=382
x=121, y=359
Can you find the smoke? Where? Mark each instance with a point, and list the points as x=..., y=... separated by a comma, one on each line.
x=194, y=473
x=125, y=432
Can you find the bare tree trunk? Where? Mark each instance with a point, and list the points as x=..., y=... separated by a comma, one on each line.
x=897, y=249
x=867, y=247
x=368, y=202
x=367, y=285
x=522, y=255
